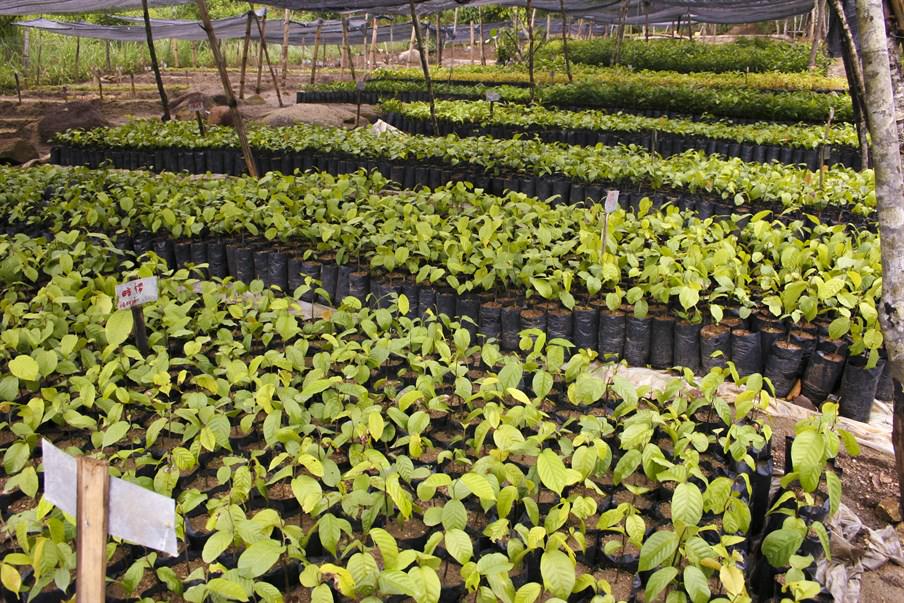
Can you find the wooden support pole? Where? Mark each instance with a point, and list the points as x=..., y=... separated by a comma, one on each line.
x=316, y=50
x=473, y=41
x=261, y=47
x=18, y=88
x=261, y=24
x=530, y=50
x=424, y=66
x=78, y=49
x=346, y=47
x=132, y=83
x=411, y=43
x=439, y=42
x=373, y=43
x=565, y=40
x=285, y=47
x=109, y=63
x=483, y=51
x=227, y=90
x=100, y=85
x=154, y=65
x=246, y=44
x=853, y=68
x=92, y=500
x=815, y=33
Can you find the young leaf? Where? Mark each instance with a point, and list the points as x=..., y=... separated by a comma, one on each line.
x=658, y=548
x=119, y=325
x=558, y=573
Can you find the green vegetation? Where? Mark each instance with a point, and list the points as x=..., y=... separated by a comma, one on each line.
x=753, y=54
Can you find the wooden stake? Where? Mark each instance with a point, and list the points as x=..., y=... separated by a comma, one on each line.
x=78, y=48
x=18, y=88
x=424, y=66
x=154, y=65
x=483, y=51
x=100, y=86
x=227, y=89
x=285, y=47
x=316, y=50
x=347, y=49
x=201, y=127
x=565, y=40
x=439, y=42
x=132, y=83
x=107, y=53
x=473, y=47
x=139, y=330
x=261, y=25
x=92, y=496
x=410, y=46
x=373, y=43
x=261, y=29
x=246, y=44
x=530, y=49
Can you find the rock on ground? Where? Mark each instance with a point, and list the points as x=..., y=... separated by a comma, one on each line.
x=78, y=114
x=324, y=115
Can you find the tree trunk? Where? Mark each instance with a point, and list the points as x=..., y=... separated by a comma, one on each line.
x=154, y=65
x=424, y=66
x=285, y=47
x=565, y=40
x=816, y=33
x=227, y=89
x=483, y=52
x=620, y=35
x=347, y=49
x=854, y=70
x=887, y=165
x=892, y=33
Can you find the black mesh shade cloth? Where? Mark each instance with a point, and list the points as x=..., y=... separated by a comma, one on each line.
x=20, y=8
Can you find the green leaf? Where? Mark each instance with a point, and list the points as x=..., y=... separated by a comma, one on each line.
x=778, y=546
x=478, y=486
x=307, y=491
x=458, y=544
x=322, y=594
x=114, y=433
x=658, y=582
x=258, y=558
x=227, y=589
x=24, y=367
x=553, y=473
x=558, y=573
x=696, y=584
x=528, y=593
x=657, y=548
x=119, y=325
x=833, y=485
x=807, y=458
x=215, y=545
x=687, y=504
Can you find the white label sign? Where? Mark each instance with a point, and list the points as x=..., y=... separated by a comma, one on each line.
x=493, y=96
x=611, y=201
x=136, y=293
x=135, y=514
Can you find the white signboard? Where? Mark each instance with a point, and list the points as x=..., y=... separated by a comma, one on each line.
x=493, y=96
x=136, y=293
x=135, y=513
x=611, y=201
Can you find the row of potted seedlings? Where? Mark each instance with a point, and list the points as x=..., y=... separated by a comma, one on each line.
x=530, y=166
x=368, y=455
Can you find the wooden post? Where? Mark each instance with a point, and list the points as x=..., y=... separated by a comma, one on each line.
x=548, y=25
x=620, y=37
x=347, y=49
x=78, y=48
x=92, y=498
x=410, y=47
x=194, y=54
x=483, y=52
x=100, y=85
x=26, y=49
x=816, y=33
x=316, y=50
x=139, y=329
x=439, y=42
x=285, y=47
x=261, y=24
x=473, y=41
x=853, y=67
x=424, y=66
x=565, y=40
x=154, y=65
x=530, y=50
x=227, y=89
x=373, y=43
x=18, y=88
x=261, y=30
x=246, y=44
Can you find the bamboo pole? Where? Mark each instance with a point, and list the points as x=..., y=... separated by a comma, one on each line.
x=424, y=66
x=285, y=47
x=316, y=50
x=154, y=65
x=227, y=89
x=260, y=28
x=245, y=46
